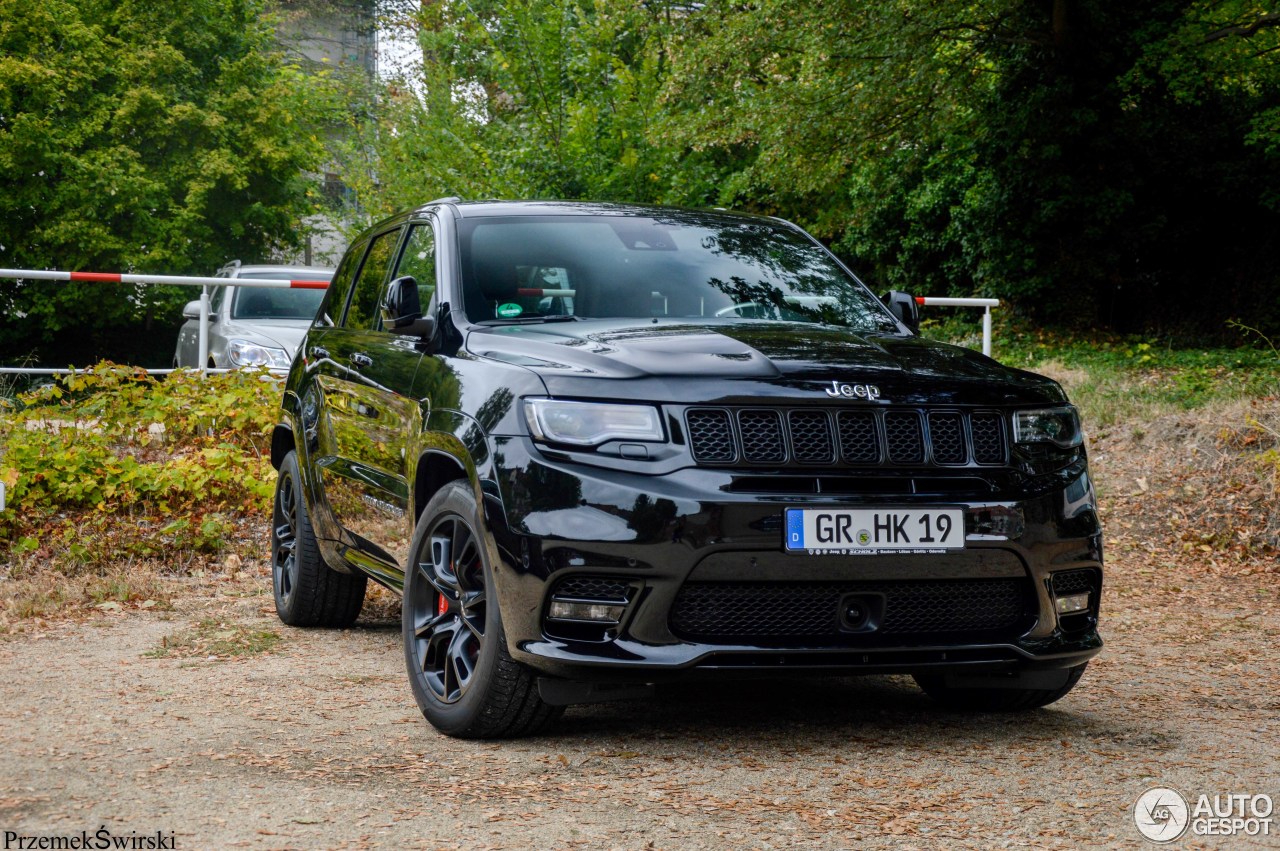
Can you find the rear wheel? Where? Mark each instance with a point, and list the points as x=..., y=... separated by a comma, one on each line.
x=464, y=680
x=969, y=699
x=307, y=591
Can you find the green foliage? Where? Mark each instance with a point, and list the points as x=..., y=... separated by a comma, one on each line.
x=1089, y=161
x=1093, y=163
x=143, y=137
x=113, y=464
x=540, y=99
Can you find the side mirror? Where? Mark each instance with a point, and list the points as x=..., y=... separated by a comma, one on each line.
x=401, y=305
x=903, y=306
x=402, y=310
x=192, y=310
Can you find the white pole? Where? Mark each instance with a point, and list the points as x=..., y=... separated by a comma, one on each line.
x=986, y=331
x=204, y=329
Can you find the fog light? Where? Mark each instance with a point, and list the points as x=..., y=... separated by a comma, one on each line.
x=597, y=612
x=1072, y=603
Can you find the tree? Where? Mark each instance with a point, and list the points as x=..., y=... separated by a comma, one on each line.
x=531, y=99
x=140, y=137
x=1091, y=161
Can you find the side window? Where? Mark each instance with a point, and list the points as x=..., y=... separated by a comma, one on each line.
x=215, y=300
x=419, y=260
x=363, y=312
x=336, y=297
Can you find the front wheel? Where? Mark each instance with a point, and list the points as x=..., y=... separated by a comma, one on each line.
x=464, y=680
x=976, y=699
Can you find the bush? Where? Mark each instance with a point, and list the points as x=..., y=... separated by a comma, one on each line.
x=114, y=464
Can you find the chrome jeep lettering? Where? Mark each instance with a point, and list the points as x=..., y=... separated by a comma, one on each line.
x=870, y=392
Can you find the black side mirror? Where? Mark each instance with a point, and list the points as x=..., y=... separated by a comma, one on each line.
x=903, y=306
x=402, y=310
x=401, y=306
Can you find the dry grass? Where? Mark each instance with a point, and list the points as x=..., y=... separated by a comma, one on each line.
x=212, y=638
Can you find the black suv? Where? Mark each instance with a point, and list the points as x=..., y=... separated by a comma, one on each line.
x=597, y=447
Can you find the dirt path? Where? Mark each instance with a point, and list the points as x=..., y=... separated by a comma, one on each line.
x=317, y=743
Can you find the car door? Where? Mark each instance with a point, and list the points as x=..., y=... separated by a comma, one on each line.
x=364, y=375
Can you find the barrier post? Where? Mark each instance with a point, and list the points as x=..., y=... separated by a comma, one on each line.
x=985, y=303
x=204, y=329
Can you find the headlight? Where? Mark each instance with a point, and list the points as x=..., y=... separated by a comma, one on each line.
x=1059, y=426
x=245, y=353
x=591, y=423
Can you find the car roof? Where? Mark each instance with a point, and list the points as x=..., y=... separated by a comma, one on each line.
x=479, y=209
x=283, y=271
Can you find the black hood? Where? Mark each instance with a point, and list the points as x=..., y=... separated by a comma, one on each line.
x=737, y=361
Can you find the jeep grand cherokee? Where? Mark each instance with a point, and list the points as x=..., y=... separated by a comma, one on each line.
x=597, y=447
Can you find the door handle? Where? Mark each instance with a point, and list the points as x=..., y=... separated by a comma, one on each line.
x=360, y=359
x=317, y=352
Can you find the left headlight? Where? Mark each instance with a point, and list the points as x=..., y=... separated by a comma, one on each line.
x=245, y=353
x=1059, y=426
x=591, y=423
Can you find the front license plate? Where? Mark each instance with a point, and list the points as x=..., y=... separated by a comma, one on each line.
x=867, y=531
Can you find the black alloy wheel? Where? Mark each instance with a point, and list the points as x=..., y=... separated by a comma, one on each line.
x=460, y=670
x=306, y=590
x=448, y=608
x=284, y=539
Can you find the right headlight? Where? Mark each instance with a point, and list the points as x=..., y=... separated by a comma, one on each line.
x=591, y=423
x=1059, y=426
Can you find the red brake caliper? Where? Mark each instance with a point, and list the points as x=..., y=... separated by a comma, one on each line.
x=442, y=605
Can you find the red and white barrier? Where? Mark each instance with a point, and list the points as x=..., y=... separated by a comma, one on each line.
x=986, y=303
x=179, y=280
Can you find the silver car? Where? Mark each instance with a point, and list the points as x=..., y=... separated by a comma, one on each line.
x=249, y=326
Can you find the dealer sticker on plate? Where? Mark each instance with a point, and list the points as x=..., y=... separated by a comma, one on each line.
x=869, y=531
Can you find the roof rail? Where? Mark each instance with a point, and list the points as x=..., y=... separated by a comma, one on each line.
x=452, y=199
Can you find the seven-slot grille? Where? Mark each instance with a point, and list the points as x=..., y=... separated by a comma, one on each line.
x=817, y=436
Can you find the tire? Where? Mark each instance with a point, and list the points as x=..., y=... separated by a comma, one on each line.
x=995, y=699
x=462, y=676
x=307, y=591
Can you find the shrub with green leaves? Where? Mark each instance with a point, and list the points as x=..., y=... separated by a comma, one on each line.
x=114, y=464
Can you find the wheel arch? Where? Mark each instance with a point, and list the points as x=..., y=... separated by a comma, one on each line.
x=435, y=470
x=281, y=443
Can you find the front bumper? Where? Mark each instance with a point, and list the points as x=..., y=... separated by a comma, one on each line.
x=662, y=537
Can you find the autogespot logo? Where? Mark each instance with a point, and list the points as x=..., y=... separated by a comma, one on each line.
x=1162, y=815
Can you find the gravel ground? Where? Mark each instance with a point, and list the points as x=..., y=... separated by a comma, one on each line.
x=317, y=743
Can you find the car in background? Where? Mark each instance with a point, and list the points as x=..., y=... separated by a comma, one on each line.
x=251, y=327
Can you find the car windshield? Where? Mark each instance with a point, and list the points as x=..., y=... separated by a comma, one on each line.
x=678, y=265
x=253, y=303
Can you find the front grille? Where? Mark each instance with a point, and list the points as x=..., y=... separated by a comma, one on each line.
x=988, y=438
x=904, y=437
x=811, y=437
x=947, y=432
x=762, y=441
x=817, y=436
x=711, y=436
x=810, y=612
x=859, y=438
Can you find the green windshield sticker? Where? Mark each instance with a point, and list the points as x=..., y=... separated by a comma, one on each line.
x=509, y=310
